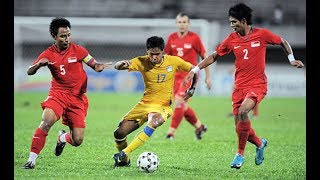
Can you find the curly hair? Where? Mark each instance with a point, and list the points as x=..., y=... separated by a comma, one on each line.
x=56, y=23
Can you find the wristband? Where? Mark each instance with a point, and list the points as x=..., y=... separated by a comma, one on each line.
x=291, y=57
x=195, y=69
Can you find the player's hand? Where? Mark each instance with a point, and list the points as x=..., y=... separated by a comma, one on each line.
x=188, y=78
x=208, y=83
x=124, y=64
x=189, y=93
x=297, y=63
x=101, y=67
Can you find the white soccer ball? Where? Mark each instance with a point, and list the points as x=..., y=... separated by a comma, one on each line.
x=148, y=162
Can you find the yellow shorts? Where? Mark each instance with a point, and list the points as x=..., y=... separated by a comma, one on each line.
x=141, y=110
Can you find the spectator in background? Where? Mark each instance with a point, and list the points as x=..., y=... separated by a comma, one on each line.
x=66, y=98
x=249, y=47
x=187, y=45
x=277, y=15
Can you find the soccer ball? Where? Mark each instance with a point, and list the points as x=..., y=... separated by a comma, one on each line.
x=148, y=162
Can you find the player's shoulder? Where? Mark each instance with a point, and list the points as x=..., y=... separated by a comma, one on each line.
x=192, y=33
x=173, y=35
x=143, y=58
x=76, y=46
x=260, y=30
x=172, y=58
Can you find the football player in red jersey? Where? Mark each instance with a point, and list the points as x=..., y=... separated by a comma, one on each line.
x=66, y=99
x=249, y=45
x=187, y=45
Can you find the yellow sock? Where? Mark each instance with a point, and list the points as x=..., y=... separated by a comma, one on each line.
x=139, y=140
x=121, y=143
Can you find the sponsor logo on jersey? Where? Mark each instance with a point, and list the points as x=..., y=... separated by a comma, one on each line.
x=187, y=45
x=255, y=44
x=72, y=59
x=169, y=68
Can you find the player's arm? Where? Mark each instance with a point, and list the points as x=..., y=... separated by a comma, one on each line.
x=207, y=73
x=98, y=67
x=122, y=65
x=288, y=50
x=192, y=88
x=34, y=68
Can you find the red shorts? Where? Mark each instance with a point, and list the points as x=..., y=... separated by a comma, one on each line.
x=178, y=89
x=72, y=109
x=254, y=93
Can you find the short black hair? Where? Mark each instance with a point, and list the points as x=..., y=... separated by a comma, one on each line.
x=155, y=42
x=240, y=11
x=56, y=23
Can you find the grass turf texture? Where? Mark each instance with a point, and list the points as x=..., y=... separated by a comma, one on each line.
x=282, y=122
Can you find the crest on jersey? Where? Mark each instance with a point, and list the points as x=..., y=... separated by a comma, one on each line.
x=72, y=59
x=169, y=68
x=187, y=45
x=255, y=44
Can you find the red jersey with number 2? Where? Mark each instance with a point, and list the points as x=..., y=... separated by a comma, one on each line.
x=250, y=53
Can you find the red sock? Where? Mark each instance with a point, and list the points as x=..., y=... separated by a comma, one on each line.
x=177, y=117
x=242, y=130
x=190, y=116
x=254, y=139
x=38, y=140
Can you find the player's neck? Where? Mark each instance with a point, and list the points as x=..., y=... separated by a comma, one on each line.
x=158, y=63
x=182, y=34
x=246, y=31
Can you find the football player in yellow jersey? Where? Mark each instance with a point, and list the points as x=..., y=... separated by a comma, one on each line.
x=158, y=71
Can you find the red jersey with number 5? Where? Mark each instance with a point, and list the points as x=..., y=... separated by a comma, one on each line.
x=187, y=47
x=66, y=68
x=250, y=53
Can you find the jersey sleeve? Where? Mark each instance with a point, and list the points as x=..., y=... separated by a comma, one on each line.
x=181, y=64
x=44, y=54
x=270, y=38
x=199, y=46
x=223, y=48
x=167, y=48
x=135, y=64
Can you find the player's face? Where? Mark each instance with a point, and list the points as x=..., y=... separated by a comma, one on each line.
x=235, y=24
x=182, y=24
x=62, y=40
x=155, y=55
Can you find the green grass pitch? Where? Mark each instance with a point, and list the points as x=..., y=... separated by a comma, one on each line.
x=282, y=122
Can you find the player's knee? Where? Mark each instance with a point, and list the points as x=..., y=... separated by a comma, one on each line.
x=243, y=113
x=157, y=120
x=118, y=134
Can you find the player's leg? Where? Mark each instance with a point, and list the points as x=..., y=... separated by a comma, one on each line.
x=178, y=111
x=261, y=143
x=155, y=120
x=39, y=137
x=243, y=124
x=191, y=117
x=177, y=116
x=73, y=117
x=155, y=117
x=256, y=111
x=124, y=128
